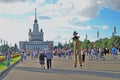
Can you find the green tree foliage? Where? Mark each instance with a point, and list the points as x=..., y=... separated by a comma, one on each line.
x=101, y=43
x=16, y=48
x=85, y=44
x=55, y=47
x=108, y=43
x=4, y=48
x=60, y=46
x=12, y=48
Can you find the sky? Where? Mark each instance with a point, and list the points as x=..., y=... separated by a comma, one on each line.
x=59, y=19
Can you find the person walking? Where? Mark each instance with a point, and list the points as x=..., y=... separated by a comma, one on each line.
x=31, y=54
x=102, y=54
x=59, y=53
x=22, y=56
x=49, y=57
x=42, y=60
x=25, y=56
x=8, y=57
x=83, y=55
x=114, y=52
x=96, y=52
x=89, y=54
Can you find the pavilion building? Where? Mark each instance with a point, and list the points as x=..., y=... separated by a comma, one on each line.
x=36, y=39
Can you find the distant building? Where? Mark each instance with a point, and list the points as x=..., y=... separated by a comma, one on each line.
x=36, y=39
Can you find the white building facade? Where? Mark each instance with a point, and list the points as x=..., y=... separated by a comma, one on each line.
x=36, y=39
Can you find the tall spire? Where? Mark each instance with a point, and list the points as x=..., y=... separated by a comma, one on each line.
x=35, y=15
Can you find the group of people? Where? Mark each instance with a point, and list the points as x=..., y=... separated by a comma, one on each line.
x=23, y=56
x=34, y=54
x=96, y=53
x=93, y=54
x=64, y=52
x=41, y=56
x=100, y=53
x=48, y=55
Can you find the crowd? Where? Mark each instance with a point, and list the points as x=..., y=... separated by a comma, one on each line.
x=41, y=55
x=92, y=54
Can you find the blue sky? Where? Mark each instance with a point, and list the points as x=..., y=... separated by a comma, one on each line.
x=58, y=19
x=107, y=17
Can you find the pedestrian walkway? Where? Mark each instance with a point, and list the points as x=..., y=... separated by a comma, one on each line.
x=63, y=69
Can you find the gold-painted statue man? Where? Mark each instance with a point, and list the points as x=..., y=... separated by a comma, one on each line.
x=77, y=50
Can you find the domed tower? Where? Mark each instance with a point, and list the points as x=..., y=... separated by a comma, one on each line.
x=36, y=35
x=36, y=39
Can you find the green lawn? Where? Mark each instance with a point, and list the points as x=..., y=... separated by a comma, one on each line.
x=12, y=61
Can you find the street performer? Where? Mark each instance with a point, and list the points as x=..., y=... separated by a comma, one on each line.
x=76, y=44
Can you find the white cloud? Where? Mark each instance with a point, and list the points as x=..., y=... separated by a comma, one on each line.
x=105, y=27
x=113, y=4
x=13, y=30
x=16, y=8
x=66, y=16
x=40, y=1
x=82, y=10
x=10, y=1
x=85, y=28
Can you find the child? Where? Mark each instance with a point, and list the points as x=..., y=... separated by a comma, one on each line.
x=22, y=56
x=41, y=60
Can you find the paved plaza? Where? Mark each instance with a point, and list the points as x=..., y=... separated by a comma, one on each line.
x=63, y=69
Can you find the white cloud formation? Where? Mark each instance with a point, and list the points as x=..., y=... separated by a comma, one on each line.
x=84, y=10
x=13, y=30
x=66, y=16
x=10, y=1
x=16, y=8
x=113, y=4
x=105, y=27
x=85, y=28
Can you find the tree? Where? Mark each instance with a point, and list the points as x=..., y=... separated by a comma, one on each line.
x=12, y=48
x=86, y=44
x=101, y=43
x=55, y=47
x=16, y=48
x=60, y=45
x=4, y=48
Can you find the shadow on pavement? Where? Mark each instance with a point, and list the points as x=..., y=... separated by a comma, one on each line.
x=65, y=71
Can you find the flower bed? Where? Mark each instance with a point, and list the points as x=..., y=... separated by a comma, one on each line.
x=12, y=61
x=15, y=55
x=2, y=58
